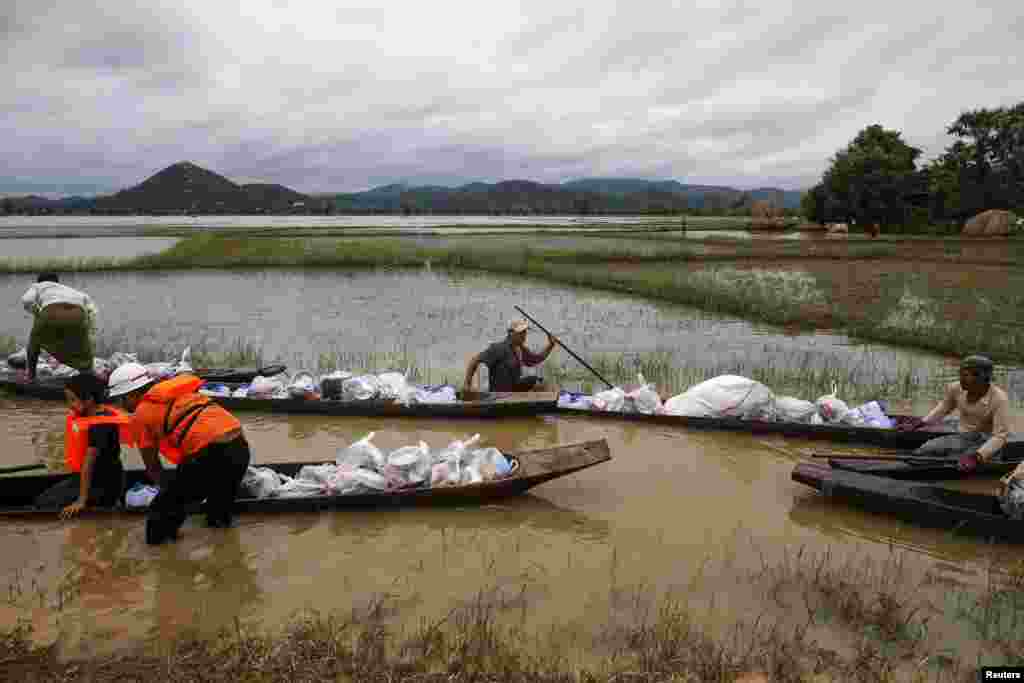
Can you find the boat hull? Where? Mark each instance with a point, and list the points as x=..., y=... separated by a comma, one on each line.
x=533, y=468
x=968, y=513
x=889, y=438
x=496, y=404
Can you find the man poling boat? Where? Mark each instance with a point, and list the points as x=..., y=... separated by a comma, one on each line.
x=204, y=440
x=505, y=360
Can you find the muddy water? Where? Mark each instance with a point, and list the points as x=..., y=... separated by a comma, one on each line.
x=691, y=512
x=440, y=319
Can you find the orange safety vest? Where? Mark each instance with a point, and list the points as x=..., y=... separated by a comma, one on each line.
x=76, y=434
x=169, y=391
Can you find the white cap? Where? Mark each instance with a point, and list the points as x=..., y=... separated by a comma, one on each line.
x=127, y=378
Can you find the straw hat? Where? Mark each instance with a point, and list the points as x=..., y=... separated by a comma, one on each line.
x=518, y=326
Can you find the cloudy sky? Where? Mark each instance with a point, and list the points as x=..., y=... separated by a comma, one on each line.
x=341, y=96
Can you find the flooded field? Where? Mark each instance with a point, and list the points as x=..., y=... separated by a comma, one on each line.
x=35, y=248
x=101, y=225
x=299, y=317
x=690, y=512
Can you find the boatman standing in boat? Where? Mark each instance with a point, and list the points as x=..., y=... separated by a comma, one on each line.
x=204, y=440
x=984, y=417
x=64, y=324
x=505, y=360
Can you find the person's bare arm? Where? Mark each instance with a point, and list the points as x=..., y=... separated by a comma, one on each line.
x=83, y=487
x=944, y=408
x=471, y=367
x=154, y=470
x=1000, y=431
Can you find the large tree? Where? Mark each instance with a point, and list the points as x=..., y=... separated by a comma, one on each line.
x=984, y=167
x=869, y=179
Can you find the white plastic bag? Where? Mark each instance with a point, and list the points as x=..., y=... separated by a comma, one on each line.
x=412, y=462
x=119, y=358
x=445, y=394
x=610, y=400
x=831, y=408
x=725, y=396
x=791, y=409
x=874, y=416
x=359, y=388
x=393, y=386
x=140, y=495
x=489, y=463
x=318, y=474
x=643, y=399
x=265, y=387
x=369, y=479
x=362, y=453
x=261, y=482
x=455, y=455
x=854, y=418
x=161, y=370
x=302, y=385
x=300, y=488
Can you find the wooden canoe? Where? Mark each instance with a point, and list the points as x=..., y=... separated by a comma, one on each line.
x=531, y=468
x=494, y=404
x=54, y=386
x=889, y=438
x=932, y=469
x=934, y=506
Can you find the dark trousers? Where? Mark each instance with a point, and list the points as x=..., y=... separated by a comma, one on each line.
x=214, y=475
x=521, y=384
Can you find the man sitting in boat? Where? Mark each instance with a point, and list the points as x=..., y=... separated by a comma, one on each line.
x=204, y=440
x=505, y=360
x=984, y=416
x=92, y=450
x=64, y=324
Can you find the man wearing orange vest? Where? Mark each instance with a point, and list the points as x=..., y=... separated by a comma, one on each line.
x=203, y=439
x=93, y=436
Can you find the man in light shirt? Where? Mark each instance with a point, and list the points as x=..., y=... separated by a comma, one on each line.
x=64, y=324
x=984, y=416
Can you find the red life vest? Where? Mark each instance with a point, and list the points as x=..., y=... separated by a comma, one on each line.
x=168, y=392
x=76, y=434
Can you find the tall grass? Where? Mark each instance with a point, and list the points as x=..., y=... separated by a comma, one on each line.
x=817, y=619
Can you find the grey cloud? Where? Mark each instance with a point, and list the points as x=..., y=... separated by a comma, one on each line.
x=116, y=93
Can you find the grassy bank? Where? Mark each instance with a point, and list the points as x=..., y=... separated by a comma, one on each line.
x=673, y=276
x=818, y=620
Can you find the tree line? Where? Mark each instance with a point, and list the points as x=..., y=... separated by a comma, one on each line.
x=876, y=178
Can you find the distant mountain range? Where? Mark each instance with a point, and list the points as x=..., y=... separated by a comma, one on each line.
x=187, y=188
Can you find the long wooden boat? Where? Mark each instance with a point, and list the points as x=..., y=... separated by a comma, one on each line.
x=493, y=404
x=932, y=469
x=972, y=513
x=889, y=438
x=530, y=468
x=53, y=387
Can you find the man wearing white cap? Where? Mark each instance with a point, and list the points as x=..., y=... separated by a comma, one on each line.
x=505, y=360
